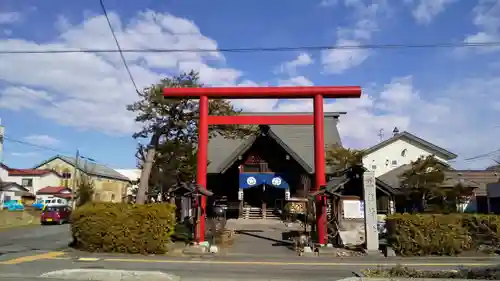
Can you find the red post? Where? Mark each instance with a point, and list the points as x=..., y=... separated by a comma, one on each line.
x=319, y=166
x=201, y=169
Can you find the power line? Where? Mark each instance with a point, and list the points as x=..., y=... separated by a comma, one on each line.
x=28, y=92
x=259, y=49
x=42, y=147
x=61, y=152
x=34, y=145
x=118, y=46
x=485, y=155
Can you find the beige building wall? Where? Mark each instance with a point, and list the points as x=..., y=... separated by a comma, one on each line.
x=106, y=189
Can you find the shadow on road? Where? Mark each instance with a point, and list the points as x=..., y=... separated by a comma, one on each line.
x=277, y=242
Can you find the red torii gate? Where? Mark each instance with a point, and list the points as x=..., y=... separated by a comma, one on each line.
x=318, y=93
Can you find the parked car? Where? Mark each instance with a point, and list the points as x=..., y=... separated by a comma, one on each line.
x=55, y=215
x=39, y=204
x=13, y=205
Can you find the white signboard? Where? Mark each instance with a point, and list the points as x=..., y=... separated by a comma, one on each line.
x=353, y=209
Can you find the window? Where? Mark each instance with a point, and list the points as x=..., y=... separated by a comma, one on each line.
x=251, y=168
x=394, y=162
x=27, y=182
x=403, y=153
x=66, y=175
x=374, y=167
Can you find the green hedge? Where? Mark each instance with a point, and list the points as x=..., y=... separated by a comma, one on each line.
x=451, y=234
x=123, y=228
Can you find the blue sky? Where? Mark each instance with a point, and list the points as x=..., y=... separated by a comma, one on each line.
x=66, y=102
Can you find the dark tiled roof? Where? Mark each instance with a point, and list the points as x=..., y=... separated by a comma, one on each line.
x=89, y=167
x=7, y=185
x=481, y=177
x=418, y=141
x=475, y=179
x=391, y=178
x=298, y=140
x=336, y=182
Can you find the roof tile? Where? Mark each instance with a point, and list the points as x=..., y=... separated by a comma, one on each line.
x=51, y=190
x=299, y=138
x=29, y=172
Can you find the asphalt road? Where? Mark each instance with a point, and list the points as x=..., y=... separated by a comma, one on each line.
x=189, y=271
x=48, y=241
x=36, y=238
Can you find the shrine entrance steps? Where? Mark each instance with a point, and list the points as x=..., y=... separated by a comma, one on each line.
x=255, y=213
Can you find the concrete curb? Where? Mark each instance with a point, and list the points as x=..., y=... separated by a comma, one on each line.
x=402, y=279
x=359, y=274
x=110, y=275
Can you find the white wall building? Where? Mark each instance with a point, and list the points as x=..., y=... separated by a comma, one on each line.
x=133, y=175
x=11, y=191
x=33, y=179
x=401, y=149
x=4, y=173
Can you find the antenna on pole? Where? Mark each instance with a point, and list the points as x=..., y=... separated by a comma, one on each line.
x=381, y=134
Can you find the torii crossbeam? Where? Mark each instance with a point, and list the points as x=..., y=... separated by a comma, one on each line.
x=316, y=119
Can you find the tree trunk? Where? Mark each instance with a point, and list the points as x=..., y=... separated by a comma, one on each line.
x=146, y=170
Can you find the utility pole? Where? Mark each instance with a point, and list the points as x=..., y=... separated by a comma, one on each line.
x=73, y=187
x=381, y=134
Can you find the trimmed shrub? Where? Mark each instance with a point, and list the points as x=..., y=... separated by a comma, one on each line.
x=451, y=234
x=492, y=273
x=123, y=228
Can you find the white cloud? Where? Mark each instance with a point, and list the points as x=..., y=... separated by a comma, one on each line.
x=365, y=24
x=339, y=60
x=9, y=17
x=18, y=98
x=24, y=154
x=43, y=140
x=424, y=11
x=290, y=67
x=296, y=81
x=328, y=3
x=90, y=91
x=487, y=21
x=456, y=117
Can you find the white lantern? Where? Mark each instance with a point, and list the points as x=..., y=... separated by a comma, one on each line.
x=240, y=194
x=287, y=194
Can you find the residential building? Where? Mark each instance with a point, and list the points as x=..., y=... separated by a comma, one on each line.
x=35, y=179
x=109, y=185
x=401, y=149
x=12, y=191
x=133, y=175
x=4, y=172
x=59, y=192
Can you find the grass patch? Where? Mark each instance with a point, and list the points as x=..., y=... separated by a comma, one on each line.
x=490, y=273
x=18, y=219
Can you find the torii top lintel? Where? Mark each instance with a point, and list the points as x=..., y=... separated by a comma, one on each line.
x=264, y=92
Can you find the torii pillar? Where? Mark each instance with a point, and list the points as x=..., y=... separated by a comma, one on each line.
x=318, y=93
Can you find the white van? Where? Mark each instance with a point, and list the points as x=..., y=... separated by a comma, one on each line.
x=56, y=202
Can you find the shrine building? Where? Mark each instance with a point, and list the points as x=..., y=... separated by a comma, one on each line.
x=260, y=173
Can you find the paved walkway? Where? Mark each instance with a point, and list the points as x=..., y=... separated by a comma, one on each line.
x=260, y=238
